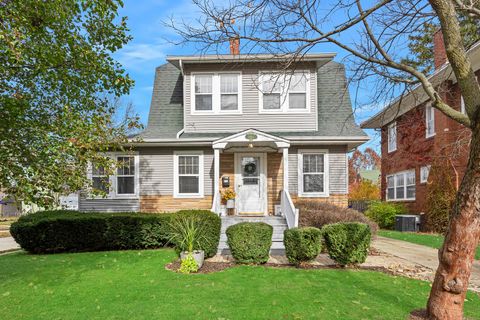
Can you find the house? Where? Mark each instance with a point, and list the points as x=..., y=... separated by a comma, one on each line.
x=414, y=135
x=239, y=121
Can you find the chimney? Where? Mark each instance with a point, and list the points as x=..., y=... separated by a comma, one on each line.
x=235, y=46
x=439, y=52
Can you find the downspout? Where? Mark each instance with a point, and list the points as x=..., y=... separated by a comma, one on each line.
x=179, y=133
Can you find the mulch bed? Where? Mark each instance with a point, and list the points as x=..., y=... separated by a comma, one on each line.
x=208, y=267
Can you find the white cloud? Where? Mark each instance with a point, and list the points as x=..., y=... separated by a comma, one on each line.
x=138, y=56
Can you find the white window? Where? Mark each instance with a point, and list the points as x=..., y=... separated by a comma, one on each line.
x=100, y=180
x=188, y=174
x=125, y=179
x=401, y=186
x=216, y=93
x=429, y=121
x=126, y=175
x=424, y=172
x=203, y=92
x=313, y=173
x=392, y=137
x=284, y=92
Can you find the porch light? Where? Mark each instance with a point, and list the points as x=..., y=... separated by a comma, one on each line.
x=250, y=145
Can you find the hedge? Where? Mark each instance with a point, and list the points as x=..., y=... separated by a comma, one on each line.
x=250, y=242
x=72, y=231
x=347, y=243
x=302, y=244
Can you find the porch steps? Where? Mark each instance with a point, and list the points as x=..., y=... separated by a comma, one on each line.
x=279, y=225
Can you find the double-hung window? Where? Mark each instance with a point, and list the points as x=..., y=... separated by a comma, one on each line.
x=401, y=186
x=313, y=173
x=125, y=175
x=429, y=121
x=218, y=92
x=392, y=137
x=100, y=179
x=284, y=92
x=204, y=92
x=188, y=174
x=229, y=92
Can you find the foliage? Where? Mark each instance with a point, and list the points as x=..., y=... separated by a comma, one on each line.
x=421, y=42
x=427, y=239
x=187, y=233
x=441, y=194
x=366, y=160
x=347, y=243
x=302, y=244
x=188, y=265
x=384, y=213
x=364, y=190
x=57, y=83
x=210, y=224
x=250, y=242
x=228, y=194
x=317, y=214
x=69, y=231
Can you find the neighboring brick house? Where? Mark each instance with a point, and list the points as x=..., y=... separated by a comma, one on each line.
x=414, y=135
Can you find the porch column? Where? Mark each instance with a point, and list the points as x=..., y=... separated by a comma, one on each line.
x=216, y=170
x=285, y=169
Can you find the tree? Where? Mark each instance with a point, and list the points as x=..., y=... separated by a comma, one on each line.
x=366, y=160
x=364, y=190
x=57, y=81
x=376, y=38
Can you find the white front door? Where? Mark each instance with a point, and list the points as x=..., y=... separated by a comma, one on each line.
x=250, y=183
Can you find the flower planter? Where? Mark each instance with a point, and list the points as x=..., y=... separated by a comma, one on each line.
x=198, y=255
x=230, y=204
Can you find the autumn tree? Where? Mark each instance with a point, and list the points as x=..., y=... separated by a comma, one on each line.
x=358, y=160
x=376, y=37
x=57, y=83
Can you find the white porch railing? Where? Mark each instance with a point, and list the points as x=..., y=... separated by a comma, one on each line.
x=288, y=210
x=216, y=204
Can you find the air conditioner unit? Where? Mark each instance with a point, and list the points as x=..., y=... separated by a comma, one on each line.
x=407, y=223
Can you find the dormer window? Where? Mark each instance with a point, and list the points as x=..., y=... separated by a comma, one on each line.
x=284, y=92
x=218, y=92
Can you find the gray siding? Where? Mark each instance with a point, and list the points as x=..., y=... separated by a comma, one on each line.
x=337, y=161
x=250, y=117
x=156, y=170
x=108, y=205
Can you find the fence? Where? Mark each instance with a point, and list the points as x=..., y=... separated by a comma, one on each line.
x=359, y=205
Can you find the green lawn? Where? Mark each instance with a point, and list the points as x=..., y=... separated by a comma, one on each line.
x=429, y=240
x=135, y=285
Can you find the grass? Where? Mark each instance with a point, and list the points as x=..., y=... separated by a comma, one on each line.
x=135, y=285
x=427, y=239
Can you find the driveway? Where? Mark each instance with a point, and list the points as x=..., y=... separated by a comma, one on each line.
x=419, y=255
x=8, y=244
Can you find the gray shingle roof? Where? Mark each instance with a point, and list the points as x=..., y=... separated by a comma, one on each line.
x=335, y=116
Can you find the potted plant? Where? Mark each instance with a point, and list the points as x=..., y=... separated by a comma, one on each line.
x=228, y=195
x=187, y=234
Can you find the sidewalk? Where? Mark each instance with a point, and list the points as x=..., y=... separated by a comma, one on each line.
x=420, y=255
x=8, y=244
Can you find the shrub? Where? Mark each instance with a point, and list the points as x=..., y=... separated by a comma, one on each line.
x=317, y=214
x=347, y=243
x=302, y=244
x=71, y=231
x=250, y=242
x=188, y=265
x=384, y=213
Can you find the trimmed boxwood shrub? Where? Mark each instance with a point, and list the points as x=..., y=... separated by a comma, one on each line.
x=72, y=231
x=302, y=244
x=250, y=242
x=347, y=243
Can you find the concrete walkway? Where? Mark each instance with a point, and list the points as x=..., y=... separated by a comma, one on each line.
x=420, y=255
x=8, y=244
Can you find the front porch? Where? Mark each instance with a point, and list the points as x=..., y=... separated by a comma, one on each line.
x=255, y=165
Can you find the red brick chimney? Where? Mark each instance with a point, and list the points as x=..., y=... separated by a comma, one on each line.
x=439, y=52
x=235, y=46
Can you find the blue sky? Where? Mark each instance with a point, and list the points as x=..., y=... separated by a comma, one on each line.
x=150, y=46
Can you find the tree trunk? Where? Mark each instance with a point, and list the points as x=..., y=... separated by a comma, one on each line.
x=458, y=251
